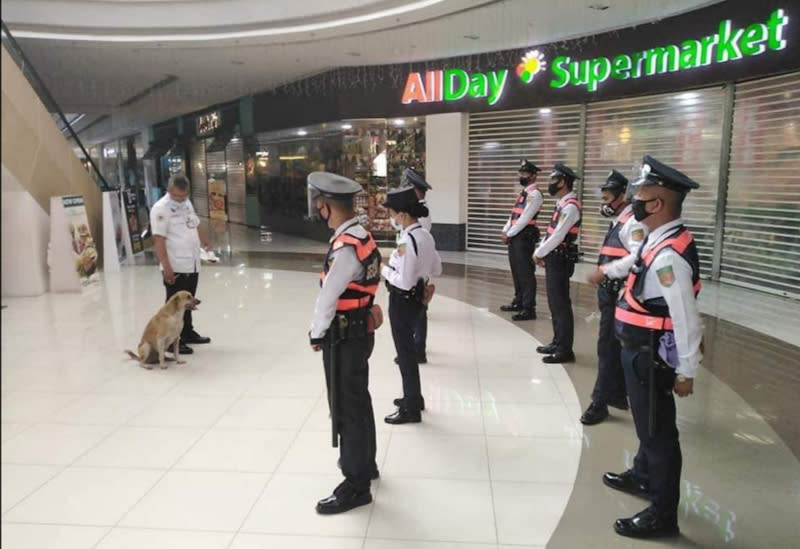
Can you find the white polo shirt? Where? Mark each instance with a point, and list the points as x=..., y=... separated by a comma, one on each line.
x=178, y=222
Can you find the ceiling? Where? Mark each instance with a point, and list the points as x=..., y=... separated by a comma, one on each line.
x=104, y=78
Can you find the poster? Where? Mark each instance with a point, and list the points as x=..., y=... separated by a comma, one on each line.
x=217, y=191
x=83, y=246
x=132, y=219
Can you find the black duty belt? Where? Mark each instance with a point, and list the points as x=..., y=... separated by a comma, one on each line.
x=415, y=293
x=611, y=285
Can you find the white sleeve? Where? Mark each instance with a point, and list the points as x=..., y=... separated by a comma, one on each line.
x=436, y=269
x=619, y=268
x=532, y=205
x=507, y=226
x=344, y=269
x=569, y=216
x=159, y=222
x=426, y=223
x=404, y=274
x=674, y=276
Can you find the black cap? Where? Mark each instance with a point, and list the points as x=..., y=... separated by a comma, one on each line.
x=658, y=173
x=411, y=176
x=401, y=199
x=528, y=166
x=615, y=182
x=331, y=185
x=560, y=170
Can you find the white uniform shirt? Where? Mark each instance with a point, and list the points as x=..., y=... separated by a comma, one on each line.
x=344, y=269
x=678, y=292
x=631, y=235
x=407, y=265
x=425, y=221
x=178, y=222
x=533, y=203
x=569, y=216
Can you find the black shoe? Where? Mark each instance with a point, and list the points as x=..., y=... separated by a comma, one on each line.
x=647, y=524
x=547, y=349
x=343, y=500
x=512, y=308
x=524, y=315
x=195, y=339
x=628, y=483
x=620, y=403
x=594, y=414
x=183, y=348
x=559, y=358
x=402, y=416
x=400, y=401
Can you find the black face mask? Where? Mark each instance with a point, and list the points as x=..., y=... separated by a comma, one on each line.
x=552, y=188
x=608, y=209
x=523, y=181
x=324, y=218
x=640, y=209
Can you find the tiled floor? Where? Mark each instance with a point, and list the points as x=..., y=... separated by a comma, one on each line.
x=231, y=450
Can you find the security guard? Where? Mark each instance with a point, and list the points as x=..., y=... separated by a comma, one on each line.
x=658, y=323
x=559, y=252
x=413, y=262
x=176, y=239
x=340, y=329
x=421, y=187
x=623, y=239
x=521, y=235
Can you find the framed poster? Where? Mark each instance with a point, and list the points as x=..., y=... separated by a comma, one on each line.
x=132, y=219
x=217, y=195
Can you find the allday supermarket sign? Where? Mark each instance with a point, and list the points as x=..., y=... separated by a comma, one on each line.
x=728, y=45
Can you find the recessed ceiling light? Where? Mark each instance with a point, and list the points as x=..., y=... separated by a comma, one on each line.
x=302, y=132
x=347, y=126
x=471, y=36
x=399, y=122
x=598, y=7
x=545, y=110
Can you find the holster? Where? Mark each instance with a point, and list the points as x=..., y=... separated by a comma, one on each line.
x=350, y=325
x=612, y=285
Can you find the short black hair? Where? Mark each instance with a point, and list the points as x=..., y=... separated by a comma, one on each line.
x=179, y=181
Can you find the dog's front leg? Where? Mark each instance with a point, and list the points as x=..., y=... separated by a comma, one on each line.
x=176, y=350
x=162, y=349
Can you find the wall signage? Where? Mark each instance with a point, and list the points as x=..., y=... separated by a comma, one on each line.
x=207, y=124
x=728, y=44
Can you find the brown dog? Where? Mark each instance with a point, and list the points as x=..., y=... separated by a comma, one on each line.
x=164, y=330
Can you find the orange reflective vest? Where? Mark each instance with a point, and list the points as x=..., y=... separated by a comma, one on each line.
x=519, y=206
x=612, y=245
x=359, y=293
x=572, y=235
x=635, y=319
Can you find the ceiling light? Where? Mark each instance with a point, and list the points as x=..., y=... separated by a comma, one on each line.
x=399, y=122
x=275, y=31
x=302, y=132
x=347, y=126
x=545, y=110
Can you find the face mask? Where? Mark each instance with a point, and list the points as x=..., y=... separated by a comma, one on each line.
x=395, y=224
x=523, y=181
x=609, y=209
x=640, y=209
x=552, y=188
x=324, y=218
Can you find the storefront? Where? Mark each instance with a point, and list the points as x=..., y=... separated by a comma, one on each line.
x=714, y=92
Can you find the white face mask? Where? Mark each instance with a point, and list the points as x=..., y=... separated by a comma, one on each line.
x=396, y=224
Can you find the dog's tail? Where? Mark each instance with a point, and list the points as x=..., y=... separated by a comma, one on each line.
x=131, y=354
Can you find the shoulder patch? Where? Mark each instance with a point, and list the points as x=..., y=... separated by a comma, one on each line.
x=666, y=276
x=637, y=235
x=401, y=249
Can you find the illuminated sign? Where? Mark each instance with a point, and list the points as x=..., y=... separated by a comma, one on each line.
x=454, y=84
x=726, y=45
x=208, y=123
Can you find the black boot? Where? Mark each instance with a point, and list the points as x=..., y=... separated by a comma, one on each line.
x=647, y=524
x=402, y=416
x=343, y=499
x=627, y=482
x=594, y=414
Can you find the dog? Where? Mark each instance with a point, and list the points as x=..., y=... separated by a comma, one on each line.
x=164, y=330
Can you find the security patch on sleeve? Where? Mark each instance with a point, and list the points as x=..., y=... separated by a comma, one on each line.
x=637, y=235
x=666, y=276
x=401, y=249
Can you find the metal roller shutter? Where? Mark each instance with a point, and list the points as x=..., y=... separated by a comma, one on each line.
x=237, y=200
x=497, y=142
x=683, y=130
x=198, y=178
x=761, y=238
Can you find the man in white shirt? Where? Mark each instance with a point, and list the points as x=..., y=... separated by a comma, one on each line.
x=559, y=252
x=521, y=235
x=176, y=238
x=658, y=324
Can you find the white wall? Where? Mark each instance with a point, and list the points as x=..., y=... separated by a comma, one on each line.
x=446, y=166
x=25, y=233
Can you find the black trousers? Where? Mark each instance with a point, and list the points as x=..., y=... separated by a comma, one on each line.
x=610, y=382
x=559, y=269
x=523, y=269
x=356, y=425
x=421, y=332
x=403, y=315
x=188, y=282
x=658, y=461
